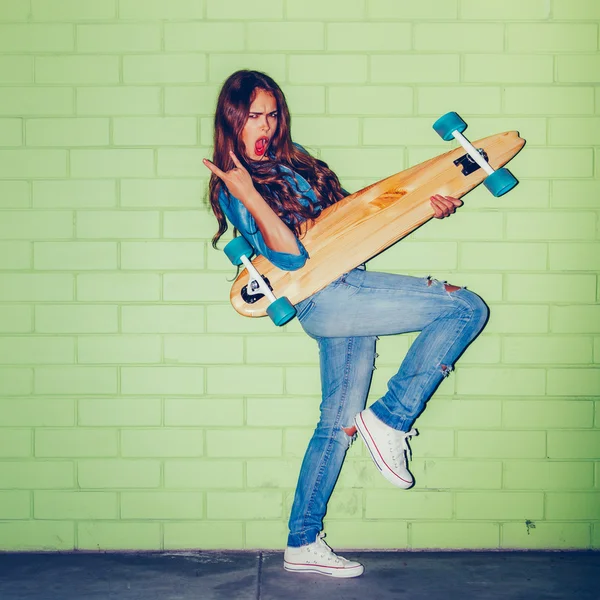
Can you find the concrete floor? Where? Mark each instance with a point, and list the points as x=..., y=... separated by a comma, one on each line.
x=260, y=576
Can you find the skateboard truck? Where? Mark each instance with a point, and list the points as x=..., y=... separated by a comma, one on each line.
x=498, y=182
x=239, y=252
x=468, y=164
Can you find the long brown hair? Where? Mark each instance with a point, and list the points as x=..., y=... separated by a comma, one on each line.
x=233, y=106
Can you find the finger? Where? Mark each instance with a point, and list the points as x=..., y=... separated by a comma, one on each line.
x=213, y=168
x=235, y=160
x=438, y=213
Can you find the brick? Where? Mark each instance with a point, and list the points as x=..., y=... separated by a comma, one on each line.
x=573, y=382
x=572, y=131
x=119, y=412
x=463, y=226
x=203, y=350
x=244, y=505
x=14, y=194
x=463, y=414
x=415, y=68
x=118, y=536
x=243, y=11
x=75, y=442
x=373, y=535
x=15, y=255
x=547, y=350
x=428, y=9
x=486, y=351
x=548, y=414
x=15, y=505
x=162, y=505
x=454, y=535
x=372, y=100
x=177, y=162
x=122, y=349
x=573, y=506
x=222, y=66
x=463, y=37
x=169, y=131
x=272, y=473
x=161, y=9
x=162, y=443
x=575, y=10
x=75, y=380
x=15, y=381
x=76, y=256
x=550, y=288
x=34, y=225
x=117, y=287
x=282, y=412
x=37, y=535
x=203, y=287
x=506, y=382
x=77, y=69
x=510, y=9
x=11, y=132
x=455, y=474
x=193, y=224
x=503, y=256
x=162, y=256
x=191, y=100
x=76, y=10
x=343, y=504
x=295, y=441
x=327, y=131
x=14, y=10
x=16, y=69
x=212, y=536
x=243, y=443
x=121, y=224
x=28, y=164
x=75, y=505
x=126, y=100
x=315, y=10
x=367, y=162
x=36, y=350
x=522, y=68
x=418, y=505
x=551, y=37
x=118, y=38
x=204, y=37
x=557, y=100
x=328, y=69
x=436, y=444
x=544, y=536
x=36, y=38
x=161, y=192
x=302, y=381
x=38, y=101
x=465, y=100
x=578, y=68
x=560, y=225
x=162, y=319
x=205, y=412
x=67, y=132
x=400, y=131
x=573, y=444
x=112, y=163
x=74, y=194
x=501, y=444
x=76, y=319
x=266, y=534
x=369, y=37
x=575, y=319
x=536, y=129
x=204, y=474
x=15, y=319
x=285, y=37
x=162, y=380
x=162, y=68
x=32, y=287
x=119, y=473
x=281, y=350
x=16, y=443
x=223, y=319
x=36, y=475
x=546, y=475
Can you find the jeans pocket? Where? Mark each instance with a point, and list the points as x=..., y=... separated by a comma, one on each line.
x=304, y=308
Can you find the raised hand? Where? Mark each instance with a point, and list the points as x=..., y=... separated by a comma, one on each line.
x=444, y=206
x=238, y=180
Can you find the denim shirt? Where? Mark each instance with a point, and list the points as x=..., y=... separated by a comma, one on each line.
x=241, y=218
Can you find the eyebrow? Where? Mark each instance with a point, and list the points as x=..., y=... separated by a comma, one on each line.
x=258, y=112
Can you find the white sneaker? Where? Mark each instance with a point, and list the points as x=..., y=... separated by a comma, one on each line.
x=388, y=447
x=318, y=557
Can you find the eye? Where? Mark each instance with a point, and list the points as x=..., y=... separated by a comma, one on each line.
x=274, y=115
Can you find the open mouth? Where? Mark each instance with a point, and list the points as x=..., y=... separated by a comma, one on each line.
x=260, y=146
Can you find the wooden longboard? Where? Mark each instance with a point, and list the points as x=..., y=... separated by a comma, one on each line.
x=363, y=224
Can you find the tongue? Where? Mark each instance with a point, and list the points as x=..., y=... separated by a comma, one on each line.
x=260, y=146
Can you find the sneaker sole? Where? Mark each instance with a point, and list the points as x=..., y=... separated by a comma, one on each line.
x=394, y=479
x=323, y=570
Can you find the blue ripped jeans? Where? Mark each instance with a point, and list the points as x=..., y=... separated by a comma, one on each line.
x=345, y=319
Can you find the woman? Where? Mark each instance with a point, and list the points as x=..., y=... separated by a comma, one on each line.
x=269, y=188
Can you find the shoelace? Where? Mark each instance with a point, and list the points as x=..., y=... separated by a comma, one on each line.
x=325, y=551
x=403, y=438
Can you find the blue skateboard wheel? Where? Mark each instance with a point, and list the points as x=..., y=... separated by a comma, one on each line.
x=500, y=182
x=448, y=124
x=237, y=248
x=281, y=311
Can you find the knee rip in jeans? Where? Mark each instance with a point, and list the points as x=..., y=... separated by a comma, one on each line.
x=447, y=286
x=446, y=370
x=351, y=433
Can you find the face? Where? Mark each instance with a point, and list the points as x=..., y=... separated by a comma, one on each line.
x=261, y=125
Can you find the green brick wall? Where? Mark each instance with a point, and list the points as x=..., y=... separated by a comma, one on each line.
x=139, y=411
